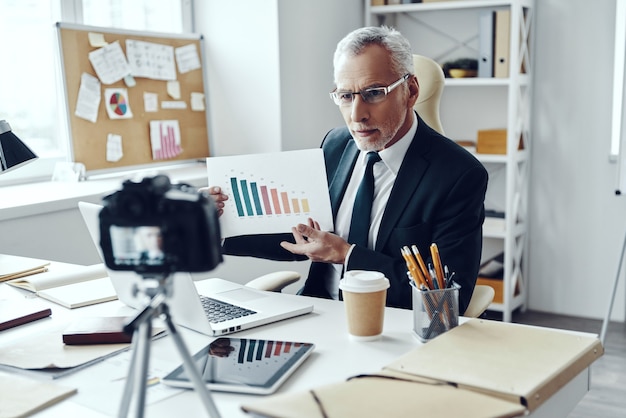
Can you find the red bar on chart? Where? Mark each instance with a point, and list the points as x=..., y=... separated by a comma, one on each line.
x=266, y=200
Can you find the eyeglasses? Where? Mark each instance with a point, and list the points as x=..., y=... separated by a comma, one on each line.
x=371, y=95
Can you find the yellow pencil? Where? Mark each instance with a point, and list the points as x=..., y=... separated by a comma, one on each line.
x=422, y=265
x=413, y=268
x=434, y=252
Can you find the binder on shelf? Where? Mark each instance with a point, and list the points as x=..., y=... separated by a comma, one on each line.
x=485, y=43
x=502, y=34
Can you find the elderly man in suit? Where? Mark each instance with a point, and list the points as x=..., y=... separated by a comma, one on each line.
x=426, y=188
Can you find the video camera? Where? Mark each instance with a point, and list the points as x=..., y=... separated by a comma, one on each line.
x=153, y=226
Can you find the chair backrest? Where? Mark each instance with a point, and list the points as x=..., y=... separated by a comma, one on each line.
x=481, y=299
x=431, y=81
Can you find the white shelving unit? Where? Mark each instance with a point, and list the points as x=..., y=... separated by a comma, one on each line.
x=449, y=30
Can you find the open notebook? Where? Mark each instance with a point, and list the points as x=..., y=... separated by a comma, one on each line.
x=252, y=307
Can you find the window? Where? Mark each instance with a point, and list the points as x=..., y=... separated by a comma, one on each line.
x=31, y=91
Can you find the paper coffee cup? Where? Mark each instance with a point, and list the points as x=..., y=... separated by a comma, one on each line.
x=364, y=295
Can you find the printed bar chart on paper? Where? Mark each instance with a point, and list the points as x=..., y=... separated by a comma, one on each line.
x=270, y=193
x=253, y=199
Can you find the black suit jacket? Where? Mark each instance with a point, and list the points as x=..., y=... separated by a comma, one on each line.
x=438, y=196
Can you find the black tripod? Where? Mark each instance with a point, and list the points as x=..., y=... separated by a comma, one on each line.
x=157, y=289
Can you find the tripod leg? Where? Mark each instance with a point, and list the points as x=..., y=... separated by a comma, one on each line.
x=607, y=318
x=145, y=330
x=190, y=368
x=130, y=381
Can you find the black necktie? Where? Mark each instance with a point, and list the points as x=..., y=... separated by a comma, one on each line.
x=362, y=210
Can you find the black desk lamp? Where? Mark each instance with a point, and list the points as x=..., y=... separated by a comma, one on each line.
x=13, y=152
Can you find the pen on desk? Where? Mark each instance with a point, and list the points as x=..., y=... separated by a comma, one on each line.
x=422, y=265
x=434, y=252
x=433, y=277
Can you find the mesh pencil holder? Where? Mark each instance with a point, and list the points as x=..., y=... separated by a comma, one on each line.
x=434, y=311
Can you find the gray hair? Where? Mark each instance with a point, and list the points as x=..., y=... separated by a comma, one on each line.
x=389, y=38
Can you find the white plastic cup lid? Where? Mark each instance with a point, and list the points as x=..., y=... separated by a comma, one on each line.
x=362, y=281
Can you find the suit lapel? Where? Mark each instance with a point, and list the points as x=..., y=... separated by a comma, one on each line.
x=410, y=175
x=342, y=175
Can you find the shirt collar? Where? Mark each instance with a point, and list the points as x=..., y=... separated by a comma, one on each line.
x=394, y=155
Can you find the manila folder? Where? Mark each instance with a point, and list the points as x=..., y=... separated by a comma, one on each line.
x=386, y=394
x=521, y=363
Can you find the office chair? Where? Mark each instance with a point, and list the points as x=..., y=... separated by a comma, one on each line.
x=274, y=282
x=481, y=299
x=431, y=81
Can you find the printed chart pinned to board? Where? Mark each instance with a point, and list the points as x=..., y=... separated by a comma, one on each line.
x=271, y=193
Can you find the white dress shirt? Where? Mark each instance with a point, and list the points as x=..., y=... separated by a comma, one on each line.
x=385, y=172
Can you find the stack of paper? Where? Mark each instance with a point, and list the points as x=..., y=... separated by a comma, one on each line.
x=22, y=396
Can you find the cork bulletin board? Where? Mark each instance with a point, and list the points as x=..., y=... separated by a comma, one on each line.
x=133, y=99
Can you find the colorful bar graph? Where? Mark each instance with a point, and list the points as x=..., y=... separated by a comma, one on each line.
x=254, y=199
x=256, y=350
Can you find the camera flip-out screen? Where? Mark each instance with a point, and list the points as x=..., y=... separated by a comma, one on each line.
x=137, y=245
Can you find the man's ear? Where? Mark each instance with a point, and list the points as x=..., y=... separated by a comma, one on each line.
x=414, y=90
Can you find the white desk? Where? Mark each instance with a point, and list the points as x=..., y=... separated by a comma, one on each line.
x=335, y=358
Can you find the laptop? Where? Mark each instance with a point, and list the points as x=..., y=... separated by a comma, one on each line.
x=245, y=307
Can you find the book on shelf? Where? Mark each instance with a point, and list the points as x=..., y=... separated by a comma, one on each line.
x=492, y=268
x=485, y=43
x=502, y=36
x=14, y=267
x=70, y=285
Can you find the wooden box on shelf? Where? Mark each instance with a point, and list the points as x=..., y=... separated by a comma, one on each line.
x=498, y=287
x=491, y=141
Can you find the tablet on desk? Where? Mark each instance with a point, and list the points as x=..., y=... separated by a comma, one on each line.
x=244, y=365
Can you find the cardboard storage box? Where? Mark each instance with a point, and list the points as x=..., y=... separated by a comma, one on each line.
x=498, y=286
x=491, y=141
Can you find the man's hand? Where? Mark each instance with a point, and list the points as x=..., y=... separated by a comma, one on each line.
x=317, y=245
x=216, y=193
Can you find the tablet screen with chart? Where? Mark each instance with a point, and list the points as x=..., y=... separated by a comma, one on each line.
x=244, y=365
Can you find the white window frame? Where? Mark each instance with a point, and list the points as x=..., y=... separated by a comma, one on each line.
x=42, y=169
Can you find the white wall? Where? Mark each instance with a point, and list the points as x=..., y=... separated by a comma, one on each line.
x=309, y=32
x=577, y=224
x=270, y=70
x=241, y=53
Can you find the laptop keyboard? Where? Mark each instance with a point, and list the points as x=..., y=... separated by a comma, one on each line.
x=218, y=311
